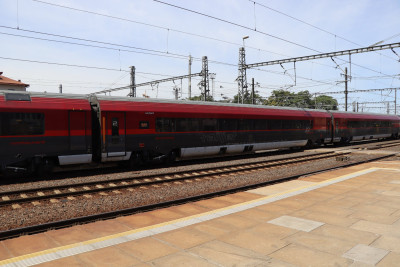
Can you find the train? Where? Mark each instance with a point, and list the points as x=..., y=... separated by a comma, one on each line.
x=40, y=131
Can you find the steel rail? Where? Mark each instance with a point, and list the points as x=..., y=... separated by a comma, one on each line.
x=12, y=233
x=163, y=178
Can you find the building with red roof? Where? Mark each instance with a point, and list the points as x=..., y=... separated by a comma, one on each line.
x=10, y=84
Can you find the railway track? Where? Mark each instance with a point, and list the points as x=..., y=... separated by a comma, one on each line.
x=112, y=214
x=54, y=194
x=369, y=145
x=386, y=145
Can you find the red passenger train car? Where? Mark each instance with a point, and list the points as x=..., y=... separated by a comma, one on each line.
x=142, y=129
x=42, y=130
x=350, y=126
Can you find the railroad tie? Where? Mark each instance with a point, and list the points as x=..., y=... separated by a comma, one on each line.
x=16, y=206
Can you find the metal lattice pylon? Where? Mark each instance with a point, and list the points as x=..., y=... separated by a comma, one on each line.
x=205, y=83
x=242, y=77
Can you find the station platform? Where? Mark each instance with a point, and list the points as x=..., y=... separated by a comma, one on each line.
x=346, y=217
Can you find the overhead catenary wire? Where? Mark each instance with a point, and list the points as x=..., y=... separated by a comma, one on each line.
x=319, y=28
x=248, y=28
x=79, y=66
x=147, y=24
x=155, y=26
x=231, y=64
x=235, y=24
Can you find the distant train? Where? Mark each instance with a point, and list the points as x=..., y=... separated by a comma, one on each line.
x=41, y=130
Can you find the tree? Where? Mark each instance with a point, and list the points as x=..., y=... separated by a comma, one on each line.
x=302, y=99
x=258, y=100
x=326, y=102
x=289, y=99
x=201, y=98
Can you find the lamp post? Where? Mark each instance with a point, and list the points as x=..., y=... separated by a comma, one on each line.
x=244, y=38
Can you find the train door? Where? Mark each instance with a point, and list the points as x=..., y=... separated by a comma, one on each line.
x=77, y=130
x=116, y=131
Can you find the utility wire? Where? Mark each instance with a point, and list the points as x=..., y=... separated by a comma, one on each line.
x=80, y=66
x=318, y=28
x=161, y=53
x=156, y=26
x=235, y=24
x=96, y=46
x=248, y=28
x=62, y=64
x=183, y=32
x=102, y=47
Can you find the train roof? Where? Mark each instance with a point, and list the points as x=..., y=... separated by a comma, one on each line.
x=107, y=103
x=358, y=115
x=43, y=101
x=81, y=101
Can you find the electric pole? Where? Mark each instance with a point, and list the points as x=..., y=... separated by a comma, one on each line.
x=252, y=91
x=345, y=87
x=242, y=79
x=212, y=77
x=315, y=101
x=190, y=77
x=176, y=92
x=205, y=84
x=133, y=85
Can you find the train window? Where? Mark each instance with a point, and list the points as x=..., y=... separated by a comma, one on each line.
x=182, y=125
x=17, y=97
x=21, y=124
x=159, y=124
x=228, y=124
x=209, y=124
x=194, y=125
x=144, y=125
x=274, y=124
x=260, y=124
x=114, y=127
x=286, y=124
x=165, y=125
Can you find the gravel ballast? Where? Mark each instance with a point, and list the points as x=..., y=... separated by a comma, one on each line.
x=81, y=206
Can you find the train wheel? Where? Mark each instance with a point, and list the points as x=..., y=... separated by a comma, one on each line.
x=145, y=157
x=309, y=144
x=172, y=156
x=134, y=160
x=44, y=168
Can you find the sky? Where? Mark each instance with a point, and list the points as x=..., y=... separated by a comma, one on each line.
x=89, y=46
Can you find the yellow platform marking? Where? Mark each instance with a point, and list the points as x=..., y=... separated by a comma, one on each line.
x=92, y=241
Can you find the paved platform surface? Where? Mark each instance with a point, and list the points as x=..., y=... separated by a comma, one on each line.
x=347, y=217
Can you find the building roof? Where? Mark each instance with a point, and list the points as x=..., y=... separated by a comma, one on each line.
x=7, y=81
